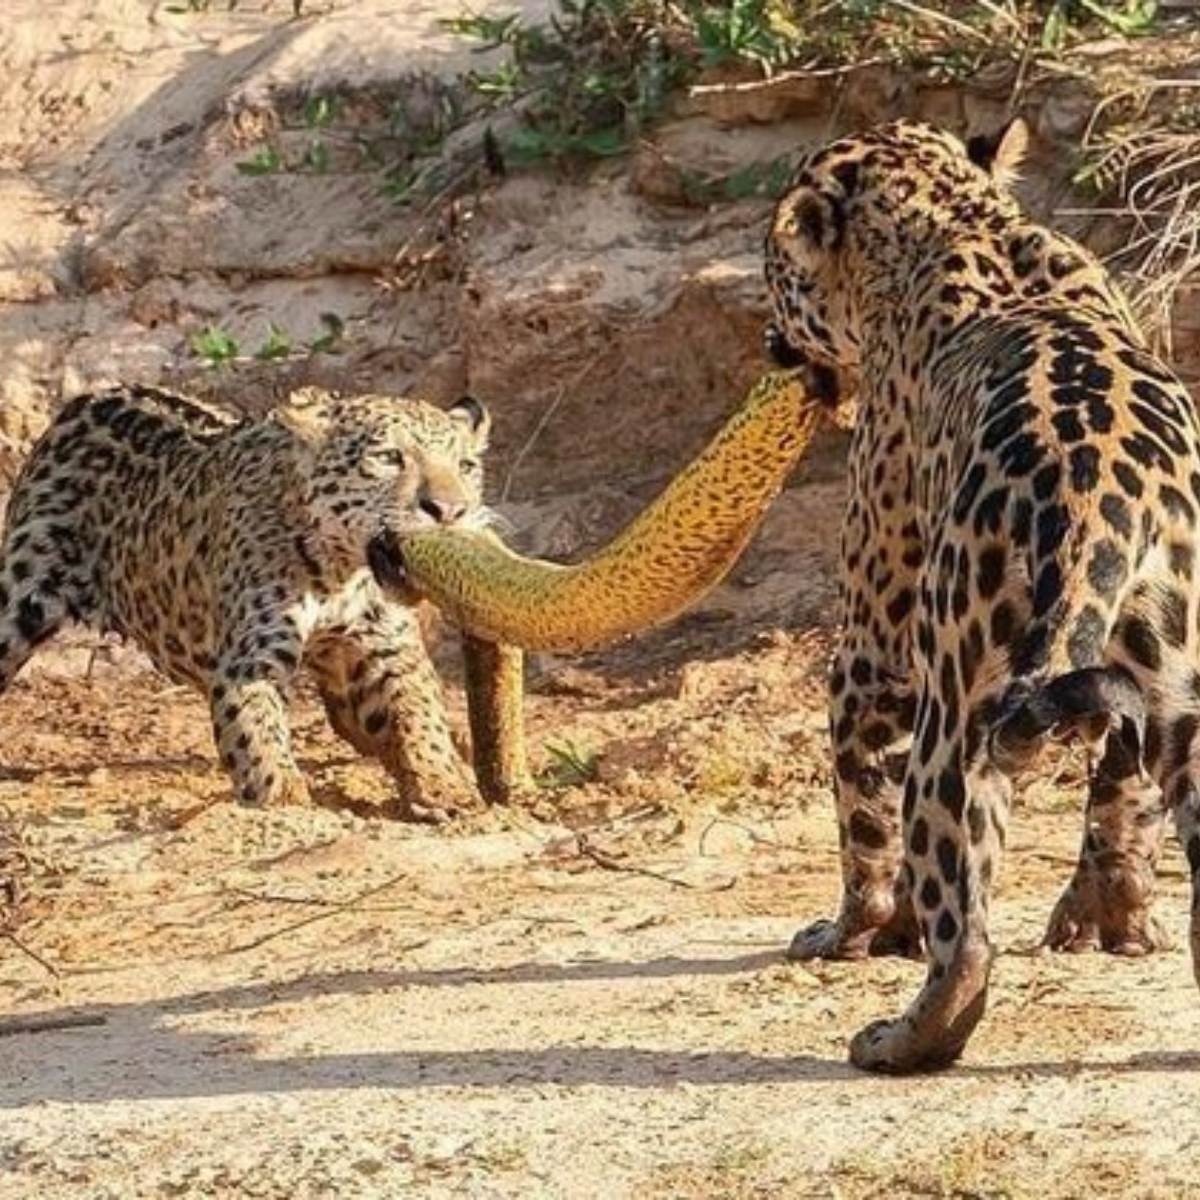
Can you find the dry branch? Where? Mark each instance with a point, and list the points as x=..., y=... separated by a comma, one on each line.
x=48, y=1024
x=30, y=952
x=335, y=909
x=608, y=863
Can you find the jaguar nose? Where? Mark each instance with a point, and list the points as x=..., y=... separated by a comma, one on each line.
x=443, y=511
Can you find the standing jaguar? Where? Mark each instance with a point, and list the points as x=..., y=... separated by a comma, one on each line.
x=1018, y=558
x=235, y=552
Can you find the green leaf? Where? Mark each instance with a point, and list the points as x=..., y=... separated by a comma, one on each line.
x=325, y=342
x=264, y=161
x=214, y=345
x=526, y=146
x=316, y=158
x=603, y=143
x=489, y=31
x=503, y=82
x=571, y=765
x=1131, y=20
x=278, y=345
x=597, y=83
x=1054, y=29
x=318, y=111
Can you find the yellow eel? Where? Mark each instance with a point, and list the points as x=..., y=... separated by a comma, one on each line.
x=666, y=559
x=495, y=683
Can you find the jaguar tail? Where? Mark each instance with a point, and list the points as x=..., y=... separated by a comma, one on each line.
x=1091, y=701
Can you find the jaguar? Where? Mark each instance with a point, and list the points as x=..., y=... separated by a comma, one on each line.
x=236, y=552
x=1018, y=560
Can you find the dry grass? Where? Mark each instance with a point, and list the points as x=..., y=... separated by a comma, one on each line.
x=1155, y=172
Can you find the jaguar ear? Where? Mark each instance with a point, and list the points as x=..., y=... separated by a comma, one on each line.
x=474, y=414
x=814, y=218
x=307, y=413
x=1003, y=152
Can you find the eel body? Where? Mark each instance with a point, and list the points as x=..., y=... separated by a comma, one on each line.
x=674, y=552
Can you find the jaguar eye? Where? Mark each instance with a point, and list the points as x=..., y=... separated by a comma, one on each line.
x=469, y=466
x=390, y=456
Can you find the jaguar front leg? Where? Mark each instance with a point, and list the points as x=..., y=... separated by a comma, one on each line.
x=258, y=653
x=870, y=724
x=384, y=696
x=248, y=701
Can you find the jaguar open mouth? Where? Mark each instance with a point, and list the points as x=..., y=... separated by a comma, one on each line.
x=820, y=379
x=779, y=350
x=387, y=562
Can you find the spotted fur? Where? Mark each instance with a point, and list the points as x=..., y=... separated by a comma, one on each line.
x=1018, y=557
x=235, y=552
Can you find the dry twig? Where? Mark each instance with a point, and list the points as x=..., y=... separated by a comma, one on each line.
x=334, y=910
x=30, y=952
x=48, y=1024
x=757, y=838
x=543, y=421
x=1155, y=170
x=782, y=78
x=609, y=863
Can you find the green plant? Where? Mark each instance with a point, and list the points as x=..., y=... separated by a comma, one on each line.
x=217, y=347
x=319, y=111
x=413, y=179
x=277, y=345
x=316, y=157
x=742, y=1158
x=264, y=161
x=588, y=80
x=581, y=85
x=570, y=766
x=741, y=29
x=214, y=345
x=489, y=32
x=1129, y=18
x=334, y=330
x=766, y=179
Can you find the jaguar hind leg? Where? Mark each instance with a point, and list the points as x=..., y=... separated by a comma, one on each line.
x=1108, y=903
x=1180, y=775
x=331, y=664
x=36, y=600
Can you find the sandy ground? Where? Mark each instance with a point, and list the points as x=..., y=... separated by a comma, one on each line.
x=584, y=996
x=581, y=997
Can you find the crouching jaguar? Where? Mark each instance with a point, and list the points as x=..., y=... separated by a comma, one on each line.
x=1019, y=558
x=234, y=552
